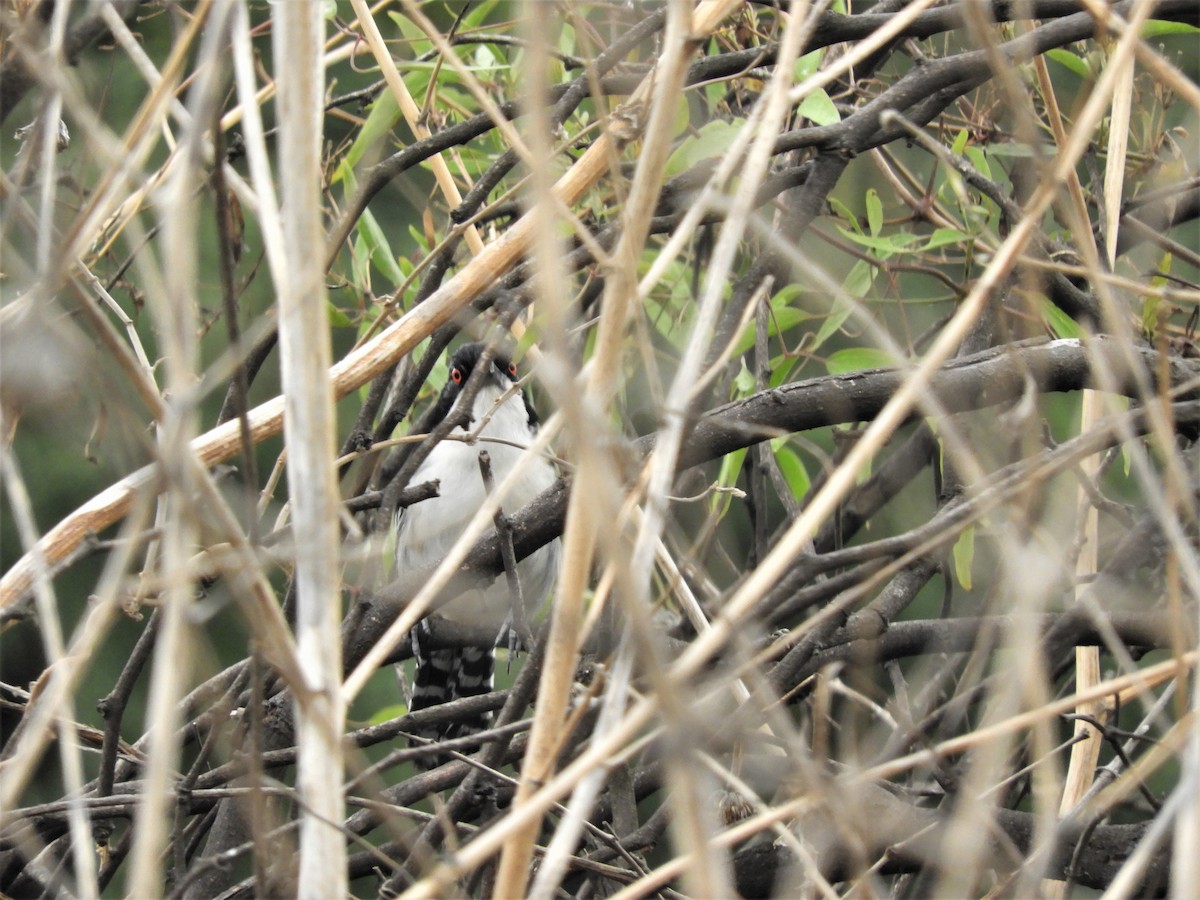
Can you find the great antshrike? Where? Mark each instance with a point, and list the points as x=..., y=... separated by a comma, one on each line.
x=504, y=423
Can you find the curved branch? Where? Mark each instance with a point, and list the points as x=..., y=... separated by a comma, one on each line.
x=974, y=382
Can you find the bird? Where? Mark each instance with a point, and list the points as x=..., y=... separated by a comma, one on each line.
x=503, y=421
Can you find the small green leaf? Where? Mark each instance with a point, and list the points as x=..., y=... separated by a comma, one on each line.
x=874, y=211
x=683, y=116
x=889, y=245
x=856, y=359
x=418, y=238
x=1150, y=308
x=836, y=318
x=807, y=64
x=379, y=248
x=792, y=468
x=782, y=368
x=960, y=142
x=711, y=140
x=858, y=282
x=387, y=713
x=1158, y=28
x=940, y=238
x=337, y=318
x=819, y=109
x=1071, y=61
x=1059, y=322
x=842, y=211
x=782, y=319
x=1153, y=302
x=743, y=382
x=412, y=33
x=979, y=160
x=964, y=557
x=731, y=468
x=478, y=15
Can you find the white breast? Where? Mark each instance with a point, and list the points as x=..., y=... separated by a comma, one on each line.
x=428, y=530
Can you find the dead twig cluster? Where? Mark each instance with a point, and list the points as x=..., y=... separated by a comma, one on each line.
x=864, y=343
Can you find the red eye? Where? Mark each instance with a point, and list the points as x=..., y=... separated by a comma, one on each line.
x=512, y=369
x=456, y=375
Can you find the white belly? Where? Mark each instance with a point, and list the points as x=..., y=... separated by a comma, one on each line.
x=429, y=529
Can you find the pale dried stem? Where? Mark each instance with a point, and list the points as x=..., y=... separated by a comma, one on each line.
x=581, y=529
x=694, y=817
x=172, y=308
x=61, y=712
x=412, y=115
x=56, y=692
x=142, y=62
x=309, y=431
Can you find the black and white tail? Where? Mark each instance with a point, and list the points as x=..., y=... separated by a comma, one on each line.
x=445, y=675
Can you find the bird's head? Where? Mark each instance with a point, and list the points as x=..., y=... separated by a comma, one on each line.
x=500, y=376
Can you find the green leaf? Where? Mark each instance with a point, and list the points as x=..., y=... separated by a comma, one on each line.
x=1059, y=322
x=379, y=248
x=1071, y=61
x=418, y=238
x=714, y=93
x=411, y=33
x=941, y=237
x=856, y=359
x=478, y=15
x=783, y=318
x=842, y=211
x=807, y=65
x=683, y=117
x=359, y=259
x=889, y=245
x=960, y=142
x=782, y=368
x=874, y=211
x=337, y=318
x=1011, y=149
x=387, y=713
x=731, y=468
x=1150, y=308
x=792, y=468
x=711, y=140
x=837, y=316
x=858, y=282
x=964, y=557
x=743, y=382
x=819, y=109
x=979, y=160
x=1153, y=302
x=1158, y=28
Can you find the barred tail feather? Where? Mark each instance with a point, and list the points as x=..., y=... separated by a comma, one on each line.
x=445, y=675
